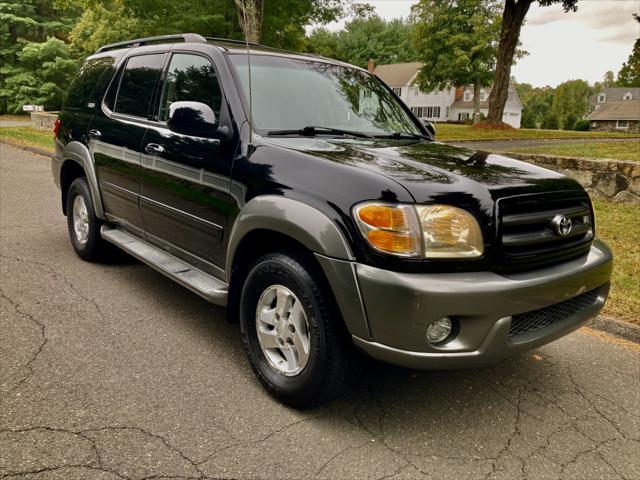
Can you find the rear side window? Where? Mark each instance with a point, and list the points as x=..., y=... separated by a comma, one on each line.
x=190, y=78
x=84, y=87
x=137, y=84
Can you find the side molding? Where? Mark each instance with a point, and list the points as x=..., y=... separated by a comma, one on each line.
x=79, y=153
x=293, y=218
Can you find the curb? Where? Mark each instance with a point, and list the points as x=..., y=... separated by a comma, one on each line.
x=36, y=150
x=628, y=331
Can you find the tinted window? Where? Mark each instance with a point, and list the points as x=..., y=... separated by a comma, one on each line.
x=137, y=84
x=110, y=98
x=83, y=88
x=190, y=78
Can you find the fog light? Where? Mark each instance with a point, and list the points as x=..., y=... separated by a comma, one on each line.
x=439, y=330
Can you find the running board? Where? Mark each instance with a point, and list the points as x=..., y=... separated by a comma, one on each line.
x=205, y=285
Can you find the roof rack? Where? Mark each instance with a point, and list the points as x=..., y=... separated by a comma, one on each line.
x=185, y=37
x=229, y=40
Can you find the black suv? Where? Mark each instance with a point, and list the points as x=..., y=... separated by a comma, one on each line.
x=301, y=193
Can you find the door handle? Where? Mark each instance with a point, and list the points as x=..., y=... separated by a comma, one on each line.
x=154, y=149
x=93, y=133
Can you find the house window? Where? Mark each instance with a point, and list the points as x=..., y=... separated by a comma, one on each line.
x=622, y=124
x=483, y=96
x=431, y=112
x=627, y=96
x=397, y=91
x=467, y=96
x=601, y=98
x=463, y=116
x=594, y=124
x=417, y=111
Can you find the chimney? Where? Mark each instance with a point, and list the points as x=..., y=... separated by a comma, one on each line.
x=370, y=65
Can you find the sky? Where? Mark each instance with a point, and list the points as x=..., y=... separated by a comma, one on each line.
x=562, y=46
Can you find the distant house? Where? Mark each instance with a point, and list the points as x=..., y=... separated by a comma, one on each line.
x=616, y=115
x=449, y=105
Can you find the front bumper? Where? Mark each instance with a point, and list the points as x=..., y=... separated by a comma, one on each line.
x=399, y=306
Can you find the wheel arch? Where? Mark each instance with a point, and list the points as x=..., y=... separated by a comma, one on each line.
x=271, y=223
x=302, y=223
x=76, y=158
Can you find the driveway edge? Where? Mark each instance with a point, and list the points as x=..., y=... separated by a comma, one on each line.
x=36, y=150
x=626, y=330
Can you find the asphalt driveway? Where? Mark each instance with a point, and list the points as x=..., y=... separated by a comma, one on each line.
x=114, y=372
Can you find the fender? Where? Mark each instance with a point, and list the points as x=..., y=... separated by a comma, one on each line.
x=303, y=223
x=320, y=235
x=80, y=154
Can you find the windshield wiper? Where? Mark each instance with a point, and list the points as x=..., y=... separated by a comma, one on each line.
x=312, y=130
x=401, y=135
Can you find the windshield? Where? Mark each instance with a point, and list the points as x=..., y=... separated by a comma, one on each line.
x=290, y=94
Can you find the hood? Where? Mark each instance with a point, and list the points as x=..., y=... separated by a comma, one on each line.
x=436, y=172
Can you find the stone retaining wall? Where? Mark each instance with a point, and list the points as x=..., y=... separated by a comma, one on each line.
x=615, y=180
x=43, y=120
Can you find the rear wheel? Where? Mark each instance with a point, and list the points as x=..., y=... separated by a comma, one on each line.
x=83, y=225
x=293, y=335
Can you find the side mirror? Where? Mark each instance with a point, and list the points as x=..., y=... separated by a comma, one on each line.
x=431, y=128
x=195, y=119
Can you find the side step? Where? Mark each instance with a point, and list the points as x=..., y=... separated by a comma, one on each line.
x=205, y=285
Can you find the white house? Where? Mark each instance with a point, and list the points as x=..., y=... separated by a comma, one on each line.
x=449, y=105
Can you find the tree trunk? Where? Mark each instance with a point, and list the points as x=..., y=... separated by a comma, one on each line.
x=514, y=13
x=476, y=103
x=250, y=13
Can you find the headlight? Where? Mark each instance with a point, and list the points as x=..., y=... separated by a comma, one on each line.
x=429, y=231
x=390, y=228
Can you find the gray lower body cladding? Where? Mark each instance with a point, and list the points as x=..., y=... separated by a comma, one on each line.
x=497, y=316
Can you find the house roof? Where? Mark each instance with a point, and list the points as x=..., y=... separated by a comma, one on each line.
x=397, y=74
x=615, y=93
x=617, y=110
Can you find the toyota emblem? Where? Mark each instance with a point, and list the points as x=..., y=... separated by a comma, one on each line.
x=562, y=225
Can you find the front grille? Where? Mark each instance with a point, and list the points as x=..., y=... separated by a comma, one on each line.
x=538, y=319
x=528, y=236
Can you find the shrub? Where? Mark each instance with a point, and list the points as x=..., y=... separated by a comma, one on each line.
x=581, y=125
x=551, y=122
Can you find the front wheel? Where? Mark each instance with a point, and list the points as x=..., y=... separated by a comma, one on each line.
x=293, y=335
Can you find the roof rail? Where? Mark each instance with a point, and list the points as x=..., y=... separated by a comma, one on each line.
x=229, y=40
x=185, y=37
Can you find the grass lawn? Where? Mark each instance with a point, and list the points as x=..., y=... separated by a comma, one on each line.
x=449, y=132
x=617, y=224
x=27, y=136
x=617, y=150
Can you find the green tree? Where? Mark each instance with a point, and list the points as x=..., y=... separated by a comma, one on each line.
x=536, y=105
x=513, y=17
x=551, y=121
x=456, y=41
x=629, y=74
x=609, y=79
x=24, y=22
x=39, y=77
x=571, y=99
x=366, y=38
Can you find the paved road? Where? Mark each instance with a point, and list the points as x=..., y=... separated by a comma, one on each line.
x=113, y=372
x=502, y=145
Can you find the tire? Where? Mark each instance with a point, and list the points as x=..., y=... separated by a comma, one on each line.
x=85, y=236
x=329, y=366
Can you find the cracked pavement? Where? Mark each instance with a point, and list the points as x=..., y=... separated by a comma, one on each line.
x=111, y=371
